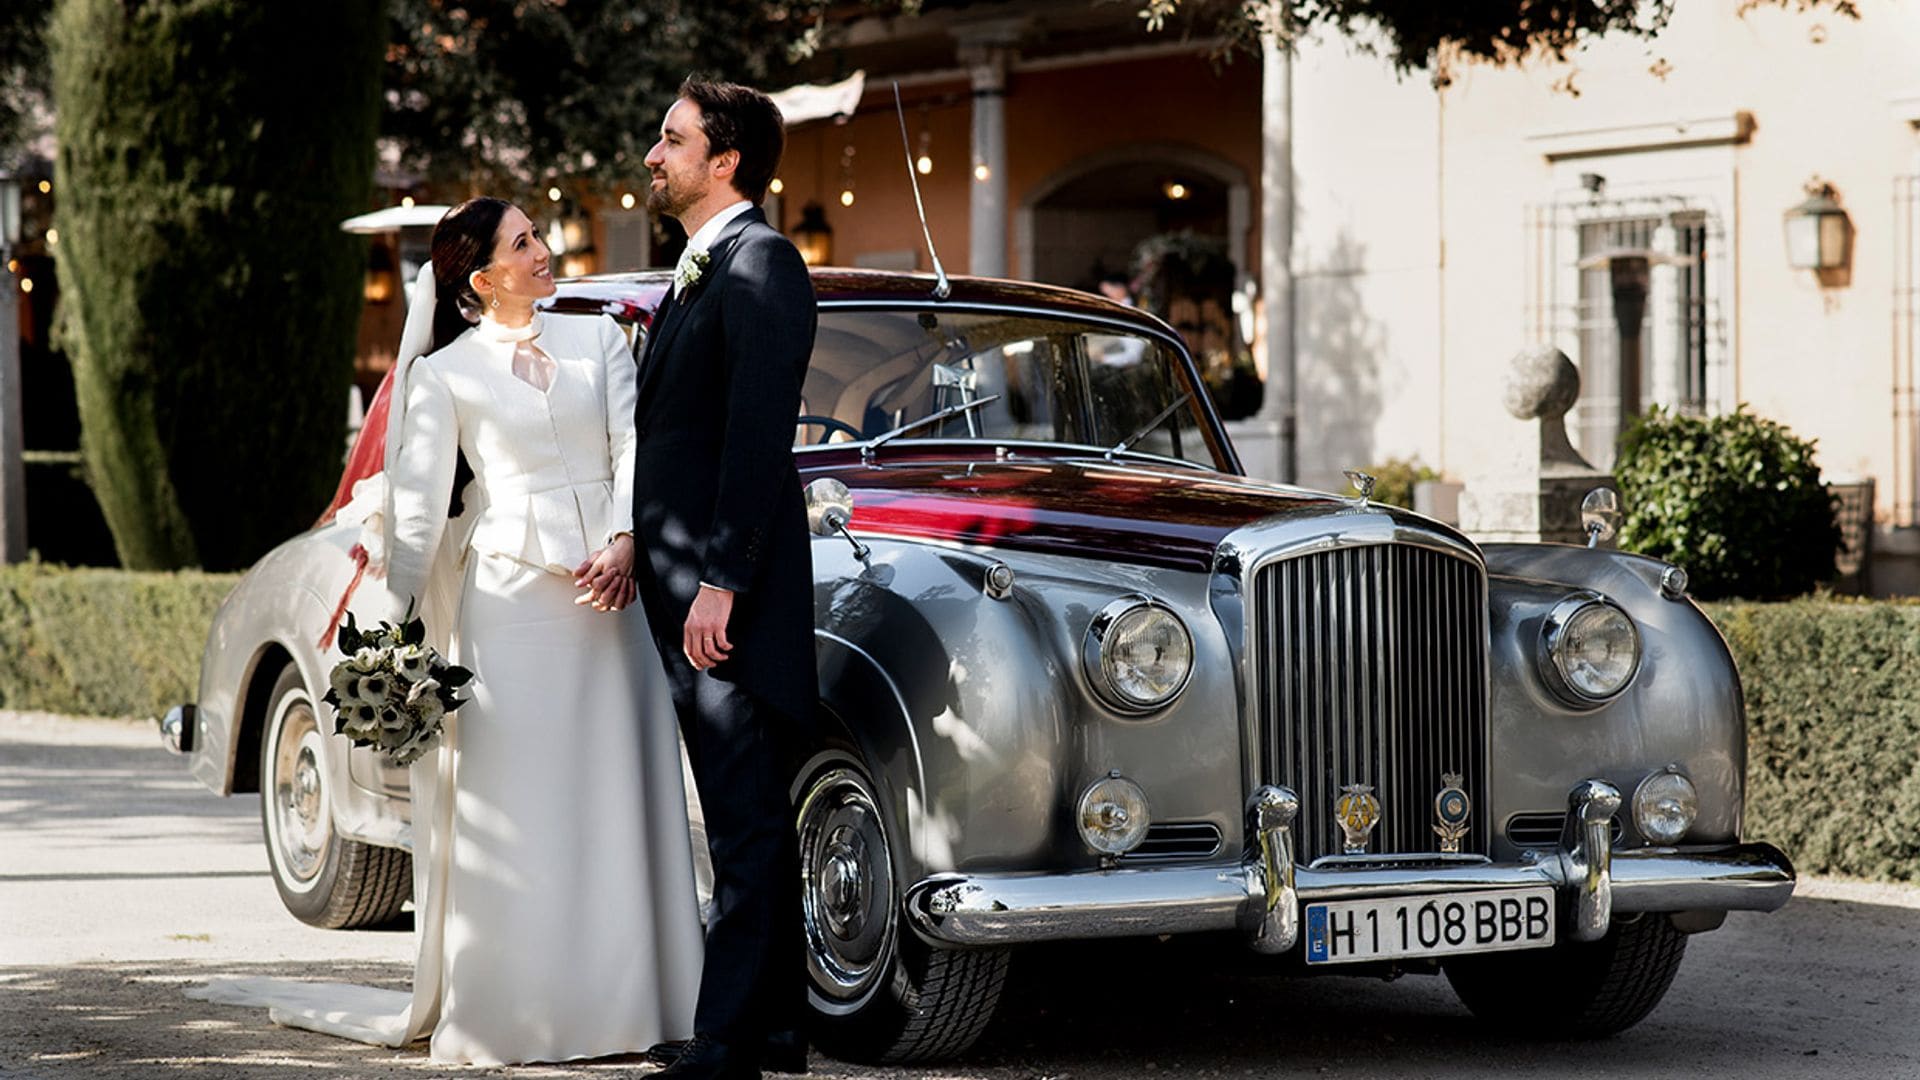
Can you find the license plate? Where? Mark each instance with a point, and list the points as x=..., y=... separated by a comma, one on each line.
x=1346, y=931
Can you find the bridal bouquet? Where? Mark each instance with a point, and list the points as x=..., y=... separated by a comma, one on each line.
x=393, y=690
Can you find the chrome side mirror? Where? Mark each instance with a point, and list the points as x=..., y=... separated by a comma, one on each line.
x=1600, y=515
x=829, y=509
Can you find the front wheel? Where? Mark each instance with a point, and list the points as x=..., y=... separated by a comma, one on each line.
x=324, y=879
x=876, y=992
x=1577, y=989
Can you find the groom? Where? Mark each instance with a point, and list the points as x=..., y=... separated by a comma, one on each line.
x=727, y=583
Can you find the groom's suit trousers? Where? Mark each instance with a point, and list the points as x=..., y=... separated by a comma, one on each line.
x=741, y=750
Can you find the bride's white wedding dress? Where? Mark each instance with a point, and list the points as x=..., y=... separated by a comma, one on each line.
x=556, y=915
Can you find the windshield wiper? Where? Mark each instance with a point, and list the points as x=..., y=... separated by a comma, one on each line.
x=1126, y=444
x=867, y=449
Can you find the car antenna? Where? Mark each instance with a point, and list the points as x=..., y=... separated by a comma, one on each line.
x=941, y=289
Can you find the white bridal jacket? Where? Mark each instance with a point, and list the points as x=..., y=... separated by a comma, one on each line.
x=544, y=492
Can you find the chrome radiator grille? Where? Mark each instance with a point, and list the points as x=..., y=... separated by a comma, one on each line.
x=1371, y=669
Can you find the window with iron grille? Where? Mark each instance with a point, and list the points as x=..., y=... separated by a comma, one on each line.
x=1906, y=349
x=1627, y=288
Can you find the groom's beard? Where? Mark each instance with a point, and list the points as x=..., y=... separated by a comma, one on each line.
x=664, y=200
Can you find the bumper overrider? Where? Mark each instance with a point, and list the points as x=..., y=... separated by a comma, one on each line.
x=1262, y=896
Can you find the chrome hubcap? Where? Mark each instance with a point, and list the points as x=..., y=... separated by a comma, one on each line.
x=299, y=816
x=843, y=884
x=848, y=896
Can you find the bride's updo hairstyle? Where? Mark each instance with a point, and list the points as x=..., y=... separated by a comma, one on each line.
x=462, y=243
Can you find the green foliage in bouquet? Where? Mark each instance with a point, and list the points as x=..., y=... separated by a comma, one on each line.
x=208, y=151
x=1736, y=500
x=393, y=690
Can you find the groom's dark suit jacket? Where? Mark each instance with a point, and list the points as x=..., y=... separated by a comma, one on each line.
x=716, y=495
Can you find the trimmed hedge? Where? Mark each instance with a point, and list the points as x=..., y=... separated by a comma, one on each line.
x=103, y=642
x=1833, y=731
x=1832, y=686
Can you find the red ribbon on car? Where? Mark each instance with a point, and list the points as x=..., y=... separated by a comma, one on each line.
x=359, y=556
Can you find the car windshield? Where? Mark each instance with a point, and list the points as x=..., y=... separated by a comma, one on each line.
x=1057, y=380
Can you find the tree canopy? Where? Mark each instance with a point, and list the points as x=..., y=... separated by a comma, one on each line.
x=24, y=74
x=1431, y=34
x=510, y=96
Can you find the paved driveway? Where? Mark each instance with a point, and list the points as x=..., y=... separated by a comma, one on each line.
x=121, y=880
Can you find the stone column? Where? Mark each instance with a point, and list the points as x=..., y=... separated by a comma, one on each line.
x=986, y=49
x=1535, y=493
x=1276, y=253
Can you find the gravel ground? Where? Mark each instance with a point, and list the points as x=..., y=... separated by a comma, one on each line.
x=122, y=881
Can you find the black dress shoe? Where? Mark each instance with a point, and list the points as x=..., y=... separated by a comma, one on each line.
x=785, y=1053
x=704, y=1059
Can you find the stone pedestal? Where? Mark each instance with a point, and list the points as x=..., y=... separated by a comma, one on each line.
x=1533, y=494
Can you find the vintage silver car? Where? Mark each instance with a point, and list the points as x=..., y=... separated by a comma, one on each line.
x=1080, y=678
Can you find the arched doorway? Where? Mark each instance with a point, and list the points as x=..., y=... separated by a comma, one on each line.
x=1089, y=217
x=1171, y=222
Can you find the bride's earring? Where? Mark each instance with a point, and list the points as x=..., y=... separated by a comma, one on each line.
x=496, y=301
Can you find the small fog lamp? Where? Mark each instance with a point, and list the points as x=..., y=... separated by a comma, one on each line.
x=1664, y=806
x=1113, y=815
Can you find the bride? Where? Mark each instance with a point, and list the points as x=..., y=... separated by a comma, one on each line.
x=555, y=906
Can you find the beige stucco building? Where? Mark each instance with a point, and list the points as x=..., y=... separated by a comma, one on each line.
x=1625, y=205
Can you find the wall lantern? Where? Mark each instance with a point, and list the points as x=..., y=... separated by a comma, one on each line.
x=813, y=236
x=1818, y=231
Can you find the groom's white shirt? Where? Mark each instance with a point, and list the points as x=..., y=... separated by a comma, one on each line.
x=703, y=237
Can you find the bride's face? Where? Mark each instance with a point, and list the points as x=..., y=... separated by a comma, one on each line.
x=522, y=267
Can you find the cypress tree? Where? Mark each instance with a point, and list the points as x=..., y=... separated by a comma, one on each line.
x=208, y=151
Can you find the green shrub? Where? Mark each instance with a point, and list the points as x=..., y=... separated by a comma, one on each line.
x=103, y=642
x=1833, y=731
x=1736, y=500
x=208, y=151
x=1394, y=478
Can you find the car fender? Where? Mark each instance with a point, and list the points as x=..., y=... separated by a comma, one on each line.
x=1683, y=708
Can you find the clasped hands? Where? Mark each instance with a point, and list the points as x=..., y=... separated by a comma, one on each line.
x=607, y=580
x=607, y=576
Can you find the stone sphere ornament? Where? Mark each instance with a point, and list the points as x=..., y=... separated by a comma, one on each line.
x=1542, y=385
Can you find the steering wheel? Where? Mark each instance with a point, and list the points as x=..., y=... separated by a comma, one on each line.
x=828, y=426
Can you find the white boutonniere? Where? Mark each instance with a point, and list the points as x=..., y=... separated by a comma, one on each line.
x=691, y=267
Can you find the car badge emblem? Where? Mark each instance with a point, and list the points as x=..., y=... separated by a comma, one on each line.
x=1358, y=812
x=1451, y=807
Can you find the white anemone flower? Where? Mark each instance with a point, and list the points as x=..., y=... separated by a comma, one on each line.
x=413, y=662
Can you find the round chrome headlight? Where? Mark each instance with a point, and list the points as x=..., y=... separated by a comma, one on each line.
x=1138, y=655
x=1113, y=815
x=1664, y=806
x=1592, y=650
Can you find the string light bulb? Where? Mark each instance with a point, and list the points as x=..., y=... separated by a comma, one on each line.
x=553, y=194
x=626, y=201
x=981, y=172
x=406, y=201
x=776, y=185
x=846, y=176
x=26, y=284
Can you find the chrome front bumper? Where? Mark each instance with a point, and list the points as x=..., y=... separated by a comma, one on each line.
x=1262, y=896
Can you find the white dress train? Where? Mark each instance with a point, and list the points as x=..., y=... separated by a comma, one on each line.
x=556, y=916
